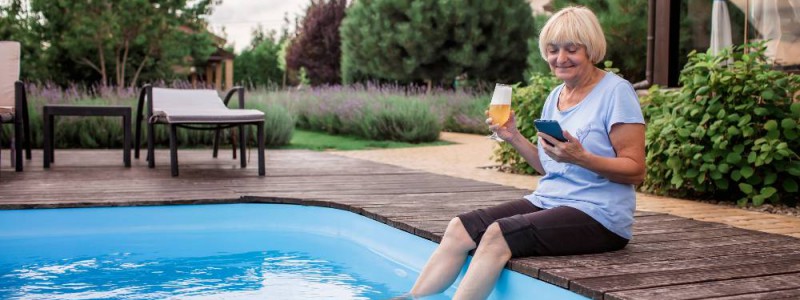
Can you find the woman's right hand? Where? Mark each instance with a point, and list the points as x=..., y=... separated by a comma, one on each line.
x=507, y=131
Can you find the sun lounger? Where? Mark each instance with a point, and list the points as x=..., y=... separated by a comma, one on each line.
x=195, y=109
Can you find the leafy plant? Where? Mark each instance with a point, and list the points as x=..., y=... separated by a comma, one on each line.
x=278, y=124
x=118, y=43
x=527, y=103
x=732, y=131
x=403, y=120
x=258, y=65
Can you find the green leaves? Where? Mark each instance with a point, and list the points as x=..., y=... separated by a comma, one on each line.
x=104, y=42
x=746, y=171
x=412, y=41
x=733, y=158
x=795, y=107
x=743, y=117
x=771, y=125
x=746, y=188
x=790, y=185
x=768, y=94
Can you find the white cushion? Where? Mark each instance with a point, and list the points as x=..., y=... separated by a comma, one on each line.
x=9, y=71
x=198, y=106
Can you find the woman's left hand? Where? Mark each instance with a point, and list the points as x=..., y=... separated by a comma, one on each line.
x=570, y=151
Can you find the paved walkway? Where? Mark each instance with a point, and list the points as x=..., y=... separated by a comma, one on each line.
x=470, y=153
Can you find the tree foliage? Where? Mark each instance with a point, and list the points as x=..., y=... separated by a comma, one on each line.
x=111, y=42
x=624, y=23
x=435, y=41
x=317, y=47
x=17, y=23
x=259, y=64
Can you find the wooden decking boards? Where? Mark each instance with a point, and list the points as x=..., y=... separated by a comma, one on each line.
x=669, y=258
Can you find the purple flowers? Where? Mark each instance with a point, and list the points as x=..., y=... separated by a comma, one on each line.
x=344, y=109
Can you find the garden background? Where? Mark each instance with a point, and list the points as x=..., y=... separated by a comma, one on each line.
x=403, y=70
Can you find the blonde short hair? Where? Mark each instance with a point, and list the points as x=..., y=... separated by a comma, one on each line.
x=574, y=24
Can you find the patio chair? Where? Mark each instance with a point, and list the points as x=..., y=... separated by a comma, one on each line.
x=14, y=102
x=195, y=109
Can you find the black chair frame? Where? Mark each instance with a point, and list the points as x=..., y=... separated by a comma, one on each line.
x=146, y=96
x=22, y=126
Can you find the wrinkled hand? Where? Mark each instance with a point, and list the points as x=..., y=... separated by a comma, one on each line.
x=507, y=131
x=570, y=151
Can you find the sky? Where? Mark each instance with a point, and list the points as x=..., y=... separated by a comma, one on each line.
x=239, y=17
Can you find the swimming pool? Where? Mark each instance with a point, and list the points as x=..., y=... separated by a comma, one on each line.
x=230, y=251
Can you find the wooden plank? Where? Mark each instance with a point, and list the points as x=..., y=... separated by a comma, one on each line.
x=656, y=218
x=563, y=277
x=711, y=289
x=688, y=235
x=596, y=287
x=772, y=295
x=535, y=265
x=700, y=243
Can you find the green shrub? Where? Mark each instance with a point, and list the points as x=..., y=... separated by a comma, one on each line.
x=463, y=112
x=527, y=103
x=435, y=41
x=400, y=119
x=731, y=132
x=278, y=124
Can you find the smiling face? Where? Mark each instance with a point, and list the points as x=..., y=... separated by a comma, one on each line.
x=568, y=61
x=571, y=42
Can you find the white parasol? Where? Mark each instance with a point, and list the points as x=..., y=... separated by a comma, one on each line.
x=720, y=27
x=776, y=22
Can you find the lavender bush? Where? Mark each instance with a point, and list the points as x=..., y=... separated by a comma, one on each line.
x=374, y=112
x=99, y=132
x=381, y=112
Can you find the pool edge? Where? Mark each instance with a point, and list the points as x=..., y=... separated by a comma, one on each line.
x=524, y=269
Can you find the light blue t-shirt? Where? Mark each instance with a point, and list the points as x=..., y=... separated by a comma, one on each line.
x=610, y=102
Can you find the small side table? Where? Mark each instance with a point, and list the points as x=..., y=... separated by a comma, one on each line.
x=50, y=111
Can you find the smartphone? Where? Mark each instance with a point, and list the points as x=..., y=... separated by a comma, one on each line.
x=550, y=127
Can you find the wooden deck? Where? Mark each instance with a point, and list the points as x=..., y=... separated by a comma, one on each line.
x=669, y=258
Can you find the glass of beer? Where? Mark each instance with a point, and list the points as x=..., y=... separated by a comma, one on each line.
x=500, y=108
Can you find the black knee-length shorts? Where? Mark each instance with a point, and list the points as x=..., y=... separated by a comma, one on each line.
x=530, y=230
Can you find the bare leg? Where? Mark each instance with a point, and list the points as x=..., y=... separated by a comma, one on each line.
x=490, y=258
x=446, y=261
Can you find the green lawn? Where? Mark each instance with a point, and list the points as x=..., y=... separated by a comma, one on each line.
x=302, y=139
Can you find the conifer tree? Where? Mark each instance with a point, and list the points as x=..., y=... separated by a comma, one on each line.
x=624, y=23
x=435, y=41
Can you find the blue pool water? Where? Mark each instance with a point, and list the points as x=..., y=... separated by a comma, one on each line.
x=230, y=251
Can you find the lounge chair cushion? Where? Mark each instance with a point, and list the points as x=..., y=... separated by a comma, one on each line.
x=9, y=71
x=197, y=106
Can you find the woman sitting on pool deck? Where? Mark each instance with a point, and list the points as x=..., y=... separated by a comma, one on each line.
x=585, y=201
